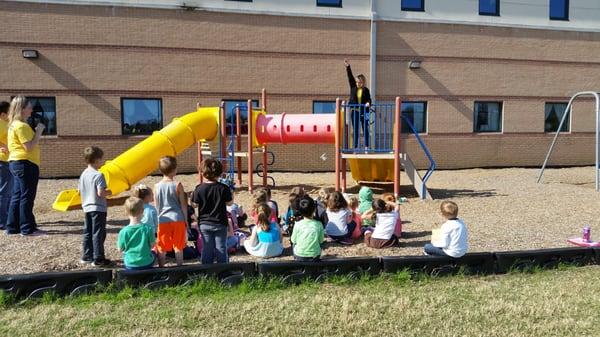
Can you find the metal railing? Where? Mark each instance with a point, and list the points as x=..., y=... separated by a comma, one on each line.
x=562, y=121
x=368, y=129
x=432, y=164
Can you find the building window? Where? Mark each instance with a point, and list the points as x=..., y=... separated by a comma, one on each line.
x=416, y=113
x=489, y=7
x=413, y=5
x=488, y=117
x=44, y=111
x=141, y=116
x=553, y=114
x=329, y=3
x=230, y=112
x=323, y=107
x=559, y=10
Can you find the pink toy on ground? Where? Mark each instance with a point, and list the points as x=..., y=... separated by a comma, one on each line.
x=580, y=242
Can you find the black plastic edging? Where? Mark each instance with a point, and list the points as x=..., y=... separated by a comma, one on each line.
x=77, y=282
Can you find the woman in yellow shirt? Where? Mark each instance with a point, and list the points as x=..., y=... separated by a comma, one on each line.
x=24, y=164
x=5, y=175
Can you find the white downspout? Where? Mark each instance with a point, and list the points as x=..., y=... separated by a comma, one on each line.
x=373, y=52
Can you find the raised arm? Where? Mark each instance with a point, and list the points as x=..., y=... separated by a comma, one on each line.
x=351, y=79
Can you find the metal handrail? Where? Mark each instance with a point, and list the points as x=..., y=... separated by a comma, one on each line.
x=562, y=121
x=432, y=164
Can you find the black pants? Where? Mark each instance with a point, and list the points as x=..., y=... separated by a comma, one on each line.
x=360, y=120
x=94, y=234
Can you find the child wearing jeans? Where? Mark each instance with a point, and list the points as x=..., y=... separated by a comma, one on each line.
x=150, y=216
x=339, y=218
x=171, y=203
x=385, y=215
x=136, y=239
x=93, y=190
x=308, y=233
x=212, y=199
x=453, y=236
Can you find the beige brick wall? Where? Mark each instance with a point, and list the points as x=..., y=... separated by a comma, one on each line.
x=91, y=57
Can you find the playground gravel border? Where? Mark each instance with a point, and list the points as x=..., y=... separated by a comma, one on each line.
x=504, y=209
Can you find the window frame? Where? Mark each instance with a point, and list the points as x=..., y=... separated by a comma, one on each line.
x=411, y=9
x=426, y=121
x=500, y=124
x=566, y=9
x=161, y=115
x=496, y=13
x=45, y=134
x=339, y=5
x=566, y=103
x=321, y=101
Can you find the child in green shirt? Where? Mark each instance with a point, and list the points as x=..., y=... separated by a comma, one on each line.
x=308, y=233
x=136, y=239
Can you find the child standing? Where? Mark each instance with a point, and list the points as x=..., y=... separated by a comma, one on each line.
x=386, y=214
x=136, y=239
x=93, y=190
x=171, y=203
x=453, y=234
x=339, y=218
x=308, y=233
x=265, y=240
x=150, y=216
x=5, y=175
x=212, y=198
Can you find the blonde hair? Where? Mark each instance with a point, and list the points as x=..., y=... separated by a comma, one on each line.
x=134, y=206
x=16, y=107
x=142, y=191
x=167, y=165
x=324, y=192
x=449, y=209
x=353, y=202
x=264, y=213
x=388, y=197
x=259, y=197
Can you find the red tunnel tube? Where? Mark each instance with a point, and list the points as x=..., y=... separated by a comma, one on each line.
x=296, y=129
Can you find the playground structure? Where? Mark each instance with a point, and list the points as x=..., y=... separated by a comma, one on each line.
x=376, y=154
x=562, y=121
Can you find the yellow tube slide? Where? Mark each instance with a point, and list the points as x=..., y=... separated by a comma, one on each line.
x=142, y=159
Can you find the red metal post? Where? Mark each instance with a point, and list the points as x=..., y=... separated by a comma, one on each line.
x=337, y=143
x=238, y=142
x=265, y=168
x=223, y=131
x=397, y=164
x=250, y=146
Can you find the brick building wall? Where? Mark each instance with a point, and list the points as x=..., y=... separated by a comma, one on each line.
x=92, y=56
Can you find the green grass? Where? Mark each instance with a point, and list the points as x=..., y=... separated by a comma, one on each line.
x=563, y=302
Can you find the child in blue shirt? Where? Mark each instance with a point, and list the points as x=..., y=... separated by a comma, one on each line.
x=150, y=216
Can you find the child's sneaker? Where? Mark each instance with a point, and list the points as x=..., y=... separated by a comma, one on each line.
x=36, y=233
x=346, y=241
x=102, y=263
x=85, y=261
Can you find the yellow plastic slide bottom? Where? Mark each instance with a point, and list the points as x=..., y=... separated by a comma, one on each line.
x=379, y=170
x=142, y=159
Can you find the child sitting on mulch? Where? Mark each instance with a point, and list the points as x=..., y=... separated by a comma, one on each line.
x=451, y=239
x=385, y=214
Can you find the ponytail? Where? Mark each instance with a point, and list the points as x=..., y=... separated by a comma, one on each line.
x=264, y=215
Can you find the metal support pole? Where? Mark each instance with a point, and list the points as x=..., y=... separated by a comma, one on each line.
x=338, y=155
x=223, y=131
x=562, y=121
x=238, y=142
x=200, y=177
x=397, y=129
x=250, y=146
x=264, y=154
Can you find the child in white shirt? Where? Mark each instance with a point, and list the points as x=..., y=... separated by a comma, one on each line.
x=452, y=239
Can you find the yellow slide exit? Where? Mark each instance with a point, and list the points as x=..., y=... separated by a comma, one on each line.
x=142, y=159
